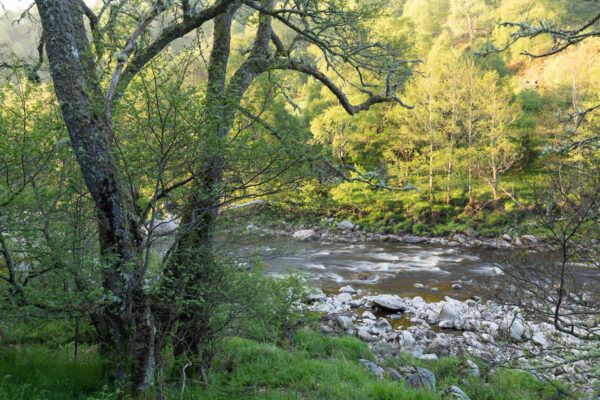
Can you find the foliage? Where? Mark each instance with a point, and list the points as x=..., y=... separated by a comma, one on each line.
x=316, y=367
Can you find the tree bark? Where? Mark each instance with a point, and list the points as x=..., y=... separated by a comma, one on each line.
x=124, y=323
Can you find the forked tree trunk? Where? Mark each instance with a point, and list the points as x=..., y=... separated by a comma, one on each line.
x=193, y=257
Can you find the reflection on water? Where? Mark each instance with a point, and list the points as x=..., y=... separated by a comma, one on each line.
x=380, y=267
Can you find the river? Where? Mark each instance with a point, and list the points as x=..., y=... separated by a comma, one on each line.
x=381, y=267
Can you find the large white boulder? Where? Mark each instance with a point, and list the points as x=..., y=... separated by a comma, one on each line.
x=347, y=289
x=305, y=234
x=516, y=330
x=345, y=226
x=448, y=316
x=390, y=303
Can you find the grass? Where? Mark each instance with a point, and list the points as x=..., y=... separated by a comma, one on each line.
x=501, y=384
x=318, y=367
x=34, y=372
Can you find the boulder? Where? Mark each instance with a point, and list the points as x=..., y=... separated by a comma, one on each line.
x=344, y=298
x=529, y=240
x=371, y=366
x=448, y=316
x=412, y=239
x=385, y=350
x=457, y=286
x=365, y=335
x=468, y=368
x=516, y=330
x=305, y=235
x=454, y=393
x=506, y=237
x=539, y=338
x=347, y=289
x=315, y=294
x=345, y=323
x=419, y=285
x=357, y=303
x=390, y=303
x=418, y=378
x=407, y=340
x=368, y=315
x=382, y=326
x=428, y=357
x=345, y=226
x=393, y=374
x=439, y=346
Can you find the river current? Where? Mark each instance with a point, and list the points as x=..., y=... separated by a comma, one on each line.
x=425, y=270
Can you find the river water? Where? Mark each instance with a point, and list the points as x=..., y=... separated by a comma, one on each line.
x=381, y=267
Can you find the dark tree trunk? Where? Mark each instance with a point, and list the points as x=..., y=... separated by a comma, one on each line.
x=124, y=324
x=193, y=257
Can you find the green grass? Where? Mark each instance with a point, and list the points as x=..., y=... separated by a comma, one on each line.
x=317, y=367
x=34, y=373
x=501, y=384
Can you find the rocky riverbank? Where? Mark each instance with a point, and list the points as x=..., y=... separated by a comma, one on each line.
x=348, y=232
x=496, y=334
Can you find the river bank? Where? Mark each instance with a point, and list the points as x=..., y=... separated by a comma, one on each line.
x=498, y=335
x=348, y=232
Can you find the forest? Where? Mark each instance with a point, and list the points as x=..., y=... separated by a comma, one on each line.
x=299, y=199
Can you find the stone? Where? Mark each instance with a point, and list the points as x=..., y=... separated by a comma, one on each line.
x=368, y=315
x=418, y=378
x=419, y=285
x=315, y=294
x=468, y=368
x=345, y=323
x=357, y=303
x=446, y=324
x=393, y=374
x=455, y=393
x=506, y=237
x=371, y=366
x=457, y=286
x=344, y=298
x=326, y=329
x=407, y=340
x=345, y=226
x=385, y=350
x=439, y=346
x=529, y=240
x=390, y=303
x=539, y=338
x=382, y=325
x=412, y=239
x=365, y=335
x=305, y=235
x=448, y=316
x=516, y=330
x=431, y=316
x=347, y=289
x=428, y=357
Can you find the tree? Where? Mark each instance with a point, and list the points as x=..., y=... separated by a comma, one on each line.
x=558, y=288
x=268, y=53
x=127, y=321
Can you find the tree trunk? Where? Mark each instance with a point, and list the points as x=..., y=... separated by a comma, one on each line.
x=193, y=258
x=124, y=324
